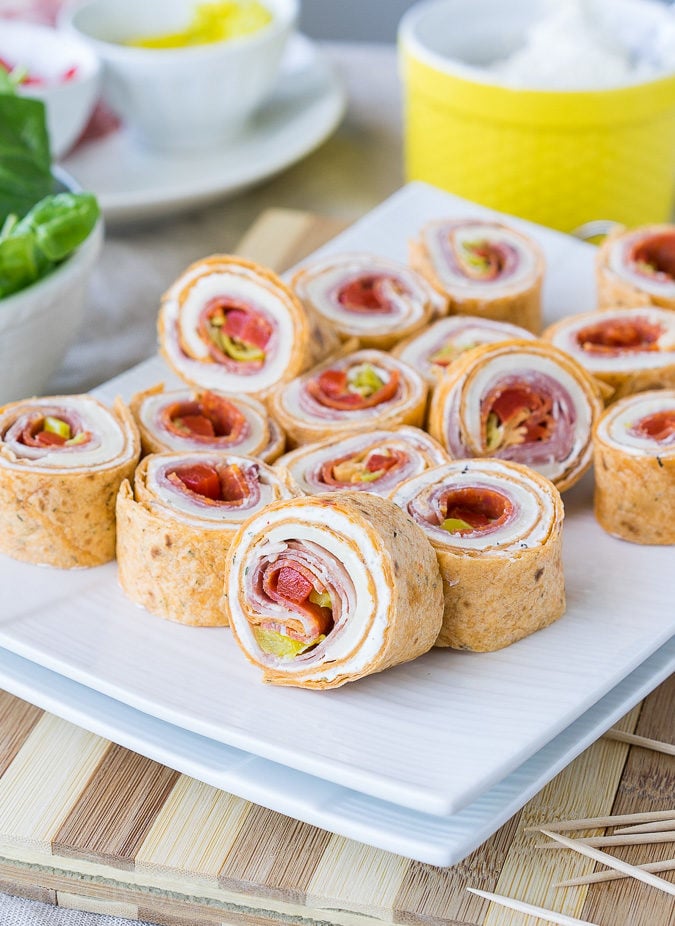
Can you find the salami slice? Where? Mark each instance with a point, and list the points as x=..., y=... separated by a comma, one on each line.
x=62, y=459
x=374, y=462
x=634, y=458
x=323, y=590
x=364, y=390
x=497, y=531
x=436, y=348
x=483, y=268
x=524, y=401
x=368, y=297
x=631, y=350
x=175, y=525
x=229, y=325
x=637, y=267
x=184, y=419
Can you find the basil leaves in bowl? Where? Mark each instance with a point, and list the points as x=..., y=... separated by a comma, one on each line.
x=50, y=238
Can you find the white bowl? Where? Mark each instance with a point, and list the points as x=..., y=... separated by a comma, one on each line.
x=180, y=99
x=39, y=323
x=49, y=53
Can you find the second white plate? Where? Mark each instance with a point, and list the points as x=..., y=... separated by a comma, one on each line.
x=436, y=840
x=132, y=182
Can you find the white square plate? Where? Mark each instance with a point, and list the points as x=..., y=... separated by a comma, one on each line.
x=432, y=735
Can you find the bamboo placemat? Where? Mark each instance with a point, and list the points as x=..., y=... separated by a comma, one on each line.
x=85, y=823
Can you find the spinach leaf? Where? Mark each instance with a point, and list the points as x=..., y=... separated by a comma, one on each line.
x=25, y=159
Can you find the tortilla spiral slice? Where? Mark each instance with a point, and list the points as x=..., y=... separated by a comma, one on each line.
x=184, y=419
x=175, y=525
x=230, y=325
x=361, y=295
x=354, y=393
x=62, y=459
x=637, y=267
x=497, y=531
x=323, y=590
x=434, y=350
x=524, y=401
x=375, y=462
x=634, y=462
x=631, y=350
x=483, y=268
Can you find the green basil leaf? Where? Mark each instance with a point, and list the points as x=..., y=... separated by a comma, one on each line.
x=60, y=223
x=25, y=159
x=20, y=263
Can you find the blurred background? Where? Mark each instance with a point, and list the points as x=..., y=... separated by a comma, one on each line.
x=353, y=20
x=339, y=20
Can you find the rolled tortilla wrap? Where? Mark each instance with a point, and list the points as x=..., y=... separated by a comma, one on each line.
x=497, y=531
x=62, y=459
x=634, y=462
x=176, y=524
x=631, y=350
x=230, y=325
x=375, y=462
x=524, y=401
x=637, y=267
x=364, y=390
x=361, y=295
x=484, y=268
x=435, y=349
x=323, y=590
x=183, y=419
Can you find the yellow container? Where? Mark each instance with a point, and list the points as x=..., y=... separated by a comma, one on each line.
x=560, y=158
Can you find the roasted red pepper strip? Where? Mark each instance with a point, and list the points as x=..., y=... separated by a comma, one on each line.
x=366, y=293
x=247, y=326
x=208, y=416
x=200, y=479
x=479, y=507
x=525, y=409
x=659, y=426
x=327, y=390
x=611, y=337
x=293, y=584
x=657, y=252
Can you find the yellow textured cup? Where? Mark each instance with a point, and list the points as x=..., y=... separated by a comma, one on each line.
x=560, y=158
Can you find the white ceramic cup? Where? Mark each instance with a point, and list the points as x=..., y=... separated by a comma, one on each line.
x=49, y=53
x=180, y=99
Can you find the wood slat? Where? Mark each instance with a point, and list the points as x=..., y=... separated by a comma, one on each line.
x=45, y=781
x=283, y=237
x=375, y=890
x=193, y=831
x=276, y=854
x=115, y=811
x=17, y=719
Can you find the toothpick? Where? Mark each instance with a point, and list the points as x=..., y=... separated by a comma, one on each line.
x=588, y=823
x=658, y=826
x=633, y=740
x=549, y=916
x=598, y=876
x=635, y=839
x=580, y=846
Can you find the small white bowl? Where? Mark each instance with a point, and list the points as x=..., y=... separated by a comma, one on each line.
x=39, y=323
x=49, y=53
x=180, y=99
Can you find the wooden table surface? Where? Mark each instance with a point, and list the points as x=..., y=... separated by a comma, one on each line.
x=87, y=824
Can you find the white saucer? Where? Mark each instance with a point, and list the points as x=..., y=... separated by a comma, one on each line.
x=132, y=182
